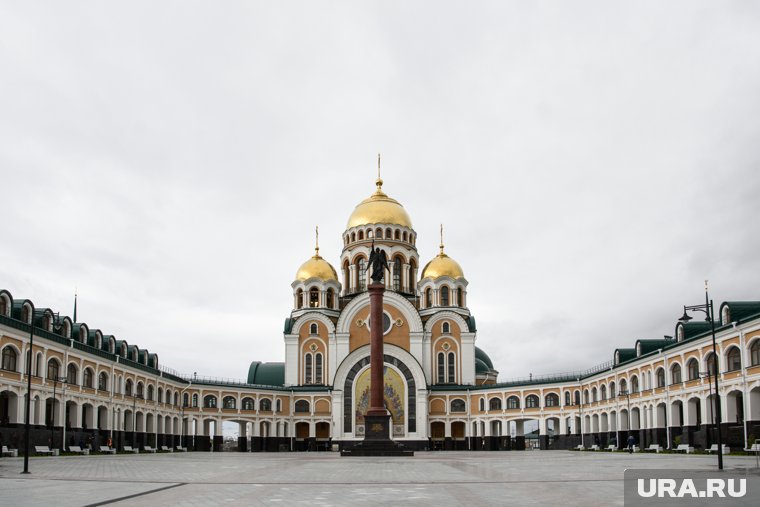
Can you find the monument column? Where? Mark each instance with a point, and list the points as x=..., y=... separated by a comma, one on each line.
x=376, y=402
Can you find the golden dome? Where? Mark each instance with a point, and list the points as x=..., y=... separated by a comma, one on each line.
x=316, y=267
x=379, y=209
x=442, y=265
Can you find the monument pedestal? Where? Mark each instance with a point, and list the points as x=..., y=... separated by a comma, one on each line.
x=377, y=440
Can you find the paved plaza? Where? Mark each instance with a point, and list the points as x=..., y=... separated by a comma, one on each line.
x=429, y=478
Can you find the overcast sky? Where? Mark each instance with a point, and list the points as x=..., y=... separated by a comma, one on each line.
x=592, y=163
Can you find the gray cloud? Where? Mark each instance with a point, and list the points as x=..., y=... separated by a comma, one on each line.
x=592, y=162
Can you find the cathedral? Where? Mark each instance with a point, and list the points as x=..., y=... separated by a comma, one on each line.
x=441, y=390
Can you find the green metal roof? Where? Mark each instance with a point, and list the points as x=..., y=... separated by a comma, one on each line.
x=471, y=324
x=481, y=367
x=739, y=310
x=480, y=354
x=266, y=374
x=623, y=355
x=647, y=346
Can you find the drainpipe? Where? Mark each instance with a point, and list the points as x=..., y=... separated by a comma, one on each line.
x=744, y=380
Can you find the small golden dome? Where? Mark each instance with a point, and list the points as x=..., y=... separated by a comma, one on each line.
x=442, y=265
x=316, y=267
x=379, y=209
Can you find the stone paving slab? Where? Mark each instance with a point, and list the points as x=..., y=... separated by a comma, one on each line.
x=429, y=478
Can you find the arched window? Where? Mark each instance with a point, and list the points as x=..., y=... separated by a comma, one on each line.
x=160, y=398
x=302, y=407
x=397, y=274
x=103, y=381
x=248, y=404
x=585, y=396
x=457, y=406
x=444, y=296
x=660, y=377
x=330, y=296
x=725, y=315
x=360, y=237
x=9, y=358
x=428, y=297
x=379, y=233
x=612, y=390
x=754, y=353
x=176, y=400
x=513, y=402
x=577, y=397
x=494, y=404
x=265, y=405
x=446, y=328
x=567, y=398
x=551, y=400
x=593, y=394
x=313, y=328
x=710, y=363
x=150, y=393
x=209, y=401
x=404, y=236
x=278, y=405
x=388, y=233
x=71, y=374
x=87, y=378
x=229, y=402
x=452, y=368
x=185, y=400
x=361, y=269
x=441, y=368
x=623, y=385
x=313, y=297
x=299, y=298
x=482, y=404
x=307, y=376
x=734, y=359
x=353, y=236
x=195, y=401
x=675, y=374
x=128, y=387
x=139, y=393
x=318, y=368
x=634, y=384
x=460, y=297
x=531, y=401
x=397, y=234
x=603, y=392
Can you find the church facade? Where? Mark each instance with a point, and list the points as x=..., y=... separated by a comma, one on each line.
x=441, y=389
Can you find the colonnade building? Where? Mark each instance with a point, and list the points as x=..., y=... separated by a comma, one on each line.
x=89, y=387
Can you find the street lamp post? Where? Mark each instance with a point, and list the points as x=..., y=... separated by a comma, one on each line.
x=28, y=395
x=707, y=309
x=62, y=380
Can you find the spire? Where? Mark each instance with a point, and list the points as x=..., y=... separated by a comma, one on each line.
x=75, y=304
x=441, y=245
x=379, y=180
x=316, y=243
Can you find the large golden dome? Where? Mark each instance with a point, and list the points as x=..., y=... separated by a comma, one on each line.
x=316, y=267
x=379, y=209
x=442, y=265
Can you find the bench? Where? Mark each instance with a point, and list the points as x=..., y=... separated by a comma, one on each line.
x=753, y=448
x=107, y=450
x=714, y=448
x=611, y=447
x=594, y=447
x=79, y=450
x=13, y=453
x=684, y=448
x=148, y=448
x=166, y=449
x=653, y=447
x=128, y=448
x=43, y=449
x=181, y=449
